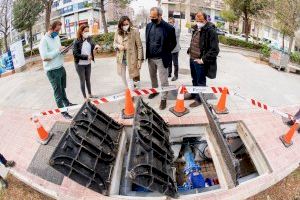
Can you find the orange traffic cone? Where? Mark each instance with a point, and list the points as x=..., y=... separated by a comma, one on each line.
x=287, y=138
x=179, y=110
x=128, y=112
x=43, y=135
x=220, y=108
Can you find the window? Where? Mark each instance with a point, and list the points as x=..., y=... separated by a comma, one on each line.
x=66, y=9
x=83, y=5
x=67, y=1
x=55, y=4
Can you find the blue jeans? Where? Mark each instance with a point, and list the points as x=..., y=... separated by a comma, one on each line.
x=198, y=76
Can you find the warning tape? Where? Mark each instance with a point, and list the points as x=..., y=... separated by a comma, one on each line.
x=264, y=106
x=140, y=92
x=112, y=98
x=198, y=89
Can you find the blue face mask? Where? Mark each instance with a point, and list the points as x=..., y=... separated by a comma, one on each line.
x=54, y=34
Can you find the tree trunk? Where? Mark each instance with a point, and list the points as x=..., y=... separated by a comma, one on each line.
x=103, y=16
x=48, y=7
x=246, y=25
x=291, y=44
x=30, y=39
x=5, y=42
x=283, y=41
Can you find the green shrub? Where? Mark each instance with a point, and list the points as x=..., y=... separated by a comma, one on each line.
x=295, y=57
x=238, y=43
x=265, y=51
x=67, y=42
x=112, y=23
x=34, y=52
x=105, y=41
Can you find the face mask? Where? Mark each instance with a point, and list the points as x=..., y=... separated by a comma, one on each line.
x=54, y=34
x=125, y=28
x=155, y=21
x=200, y=24
x=85, y=35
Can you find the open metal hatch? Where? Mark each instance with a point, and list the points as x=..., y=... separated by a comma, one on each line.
x=150, y=155
x=87, y=151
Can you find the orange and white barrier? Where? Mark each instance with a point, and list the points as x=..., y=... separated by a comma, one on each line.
x=112, y=98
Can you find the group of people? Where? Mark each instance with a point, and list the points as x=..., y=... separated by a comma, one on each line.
x=162, y=49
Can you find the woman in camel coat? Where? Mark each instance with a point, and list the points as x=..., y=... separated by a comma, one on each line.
x=128, y=45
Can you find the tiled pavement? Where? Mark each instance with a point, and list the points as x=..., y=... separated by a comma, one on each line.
x=18, y=142
x=25, y=93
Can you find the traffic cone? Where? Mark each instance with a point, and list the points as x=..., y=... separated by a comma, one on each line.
x=179, y=110
x=287, y=138
x=128, y=112
x=43, y=135
x=220, y=108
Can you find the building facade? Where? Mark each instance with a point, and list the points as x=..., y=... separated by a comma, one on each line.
x=74, y=13
x=184, y=12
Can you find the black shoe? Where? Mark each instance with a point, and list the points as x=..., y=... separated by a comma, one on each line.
x=93, y=96
x=72, y=104
x=3, y=183
x=151, y=96
x=195, y=104
x=174, y=78
x=170, y=75
x=163, y=104
x=10, y=163
x=66, y=115
x=290, y=122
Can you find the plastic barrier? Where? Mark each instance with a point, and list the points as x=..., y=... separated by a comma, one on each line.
x=88, y=149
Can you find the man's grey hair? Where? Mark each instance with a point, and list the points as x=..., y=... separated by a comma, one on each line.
x=158, y=9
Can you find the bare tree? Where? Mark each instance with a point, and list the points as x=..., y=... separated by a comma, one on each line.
x=48, y=7
x=102, y=10
x=5, y=19
x=288, y=16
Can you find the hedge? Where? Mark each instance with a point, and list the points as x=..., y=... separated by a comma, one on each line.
x=295, y=57
x=239, y=43
x=104, y=40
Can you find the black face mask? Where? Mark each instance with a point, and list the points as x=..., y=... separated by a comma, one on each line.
x=155, y=21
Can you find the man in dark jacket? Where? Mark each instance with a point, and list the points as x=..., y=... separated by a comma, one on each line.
x=203, y=51
x=160, y=42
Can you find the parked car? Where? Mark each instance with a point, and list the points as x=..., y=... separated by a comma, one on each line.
x=243, y=37
x=220, y=32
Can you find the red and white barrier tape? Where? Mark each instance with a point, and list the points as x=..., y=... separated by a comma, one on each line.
x=264, y=106
x=140, y=92
x=112, y=98
x=198, y=89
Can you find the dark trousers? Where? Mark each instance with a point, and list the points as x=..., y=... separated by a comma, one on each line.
x=175, y=62
x=84, y=73
x=198, y=76
x=2, y=159
x=58, y=80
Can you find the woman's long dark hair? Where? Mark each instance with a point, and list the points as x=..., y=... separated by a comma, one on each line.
x=120, y=24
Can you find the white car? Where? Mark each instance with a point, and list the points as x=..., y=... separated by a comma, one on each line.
x=243, y=37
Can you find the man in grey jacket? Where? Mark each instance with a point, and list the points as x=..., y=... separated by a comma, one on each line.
x=175, y=52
